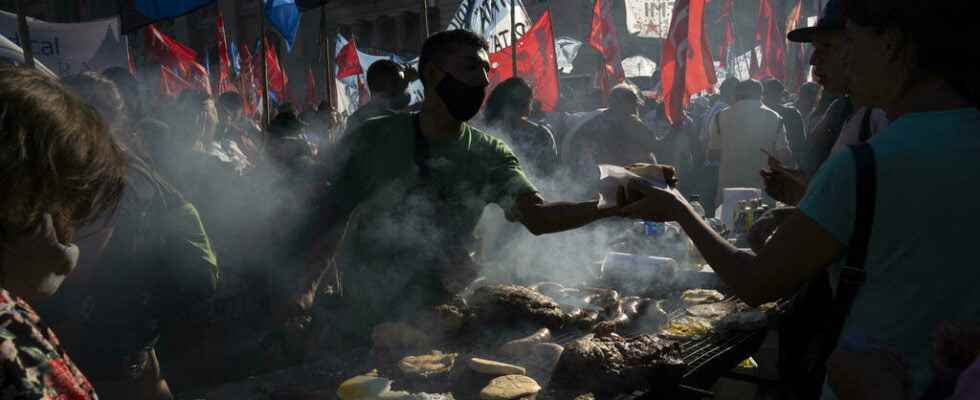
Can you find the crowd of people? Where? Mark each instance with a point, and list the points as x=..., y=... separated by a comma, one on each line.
x=157, y=206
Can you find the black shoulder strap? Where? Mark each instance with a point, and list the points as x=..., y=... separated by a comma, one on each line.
x=853, y=274
x=422, y=151
x=866, y=126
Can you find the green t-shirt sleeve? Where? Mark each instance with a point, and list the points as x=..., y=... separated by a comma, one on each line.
x=194, y=266
x=506, y=180
x=830, y=199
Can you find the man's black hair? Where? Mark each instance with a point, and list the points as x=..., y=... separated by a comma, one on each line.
x=385, y=78
x=728, y=87
x=439, y=45
x=749, y=89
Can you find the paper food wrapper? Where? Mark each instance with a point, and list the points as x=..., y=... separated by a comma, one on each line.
x=612, y=177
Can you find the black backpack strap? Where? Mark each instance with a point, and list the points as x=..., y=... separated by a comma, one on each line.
x=422, y=151
x=853, y=274
x=866, y=126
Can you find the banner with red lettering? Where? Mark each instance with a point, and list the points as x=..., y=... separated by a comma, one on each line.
x=536, y=63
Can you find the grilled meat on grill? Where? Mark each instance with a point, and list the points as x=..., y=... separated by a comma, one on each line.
x=613, y=363
x=515, y=305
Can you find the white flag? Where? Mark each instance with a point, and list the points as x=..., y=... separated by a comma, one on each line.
x=566, y=50
x=491, y=19
x=71, y=48
x=649, y=18
x=348, y=94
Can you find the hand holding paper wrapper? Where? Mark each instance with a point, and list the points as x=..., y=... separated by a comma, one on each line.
x=613, y=178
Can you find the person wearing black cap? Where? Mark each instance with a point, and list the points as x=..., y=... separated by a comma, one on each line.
x=388, y=83
x=829, y=45
x=904, y=262
x=845, y=123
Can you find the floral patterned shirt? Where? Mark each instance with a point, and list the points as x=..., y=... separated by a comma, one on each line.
x=32, y=363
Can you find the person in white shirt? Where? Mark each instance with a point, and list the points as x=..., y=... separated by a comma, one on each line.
x=742, y=134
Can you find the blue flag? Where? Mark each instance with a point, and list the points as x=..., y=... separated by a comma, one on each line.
x=165, y=9
x=236, y=62
x=284, y=17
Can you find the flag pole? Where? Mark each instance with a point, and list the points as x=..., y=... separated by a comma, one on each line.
x=326, y=48
x=266, y=107
x=425, y=20
x=513, y=37
x=25, y=35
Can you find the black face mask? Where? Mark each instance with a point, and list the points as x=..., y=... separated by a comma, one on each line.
x=462, y=100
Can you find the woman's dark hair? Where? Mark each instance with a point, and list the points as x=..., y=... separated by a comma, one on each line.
x=56, y=155
x=513, y=93
x=940, y=32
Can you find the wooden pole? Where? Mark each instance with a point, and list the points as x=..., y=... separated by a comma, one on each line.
x=266, y=105
x=25, y=35
x=326, y=48
x=425, y=20
x=513, y=37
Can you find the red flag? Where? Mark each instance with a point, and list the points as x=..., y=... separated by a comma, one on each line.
x=171, y=84
x=246, y=81
x=795, y=50
x=180, y=59
x=311, y=98
x=604, y=39
x=168, y=51
x=770, y=33
x=348, y=63
x=198, y=76
x=129, y=60
x=687, y=67
x=224, y=64
x=728, y=38
x=535, y=63
x=277, y=76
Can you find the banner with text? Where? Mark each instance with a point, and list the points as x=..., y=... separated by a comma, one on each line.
x=649, y=18
x=491, y=19
x=71, y=48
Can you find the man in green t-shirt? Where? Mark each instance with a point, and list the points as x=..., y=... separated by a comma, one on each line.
x=410, y=188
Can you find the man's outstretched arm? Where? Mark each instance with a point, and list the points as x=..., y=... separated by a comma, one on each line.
x=541, y=217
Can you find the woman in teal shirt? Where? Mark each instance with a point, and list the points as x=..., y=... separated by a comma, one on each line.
x=921, y=269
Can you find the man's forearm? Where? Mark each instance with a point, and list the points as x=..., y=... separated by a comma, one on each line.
x=561, y=216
